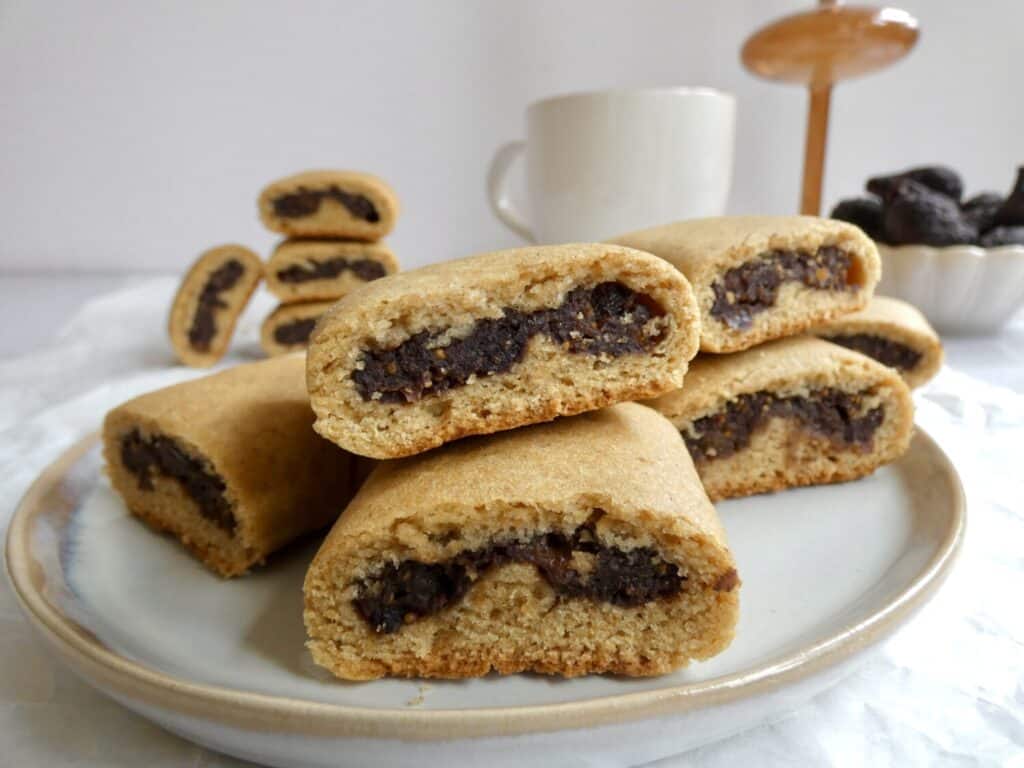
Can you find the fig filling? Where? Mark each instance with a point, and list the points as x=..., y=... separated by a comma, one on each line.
x=607, y=319
x=753, y=287
x=364, y=269
x=841, y=417
x=204, y=322
x=305, y=202
x=885, y=351
x=142, y=456
x=575, y=565
x=295, y=332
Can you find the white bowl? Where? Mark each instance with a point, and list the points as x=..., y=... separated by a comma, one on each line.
x=959, y=288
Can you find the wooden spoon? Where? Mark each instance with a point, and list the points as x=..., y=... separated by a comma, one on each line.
x=819, y=48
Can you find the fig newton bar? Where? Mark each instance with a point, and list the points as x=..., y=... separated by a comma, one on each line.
x=793, y=412
x=209, y=302
x=288, y=328
x=892, y=332
x=309, y=270
x=497, y=341
x=759, y=278
x=229, y=463
x=580, y=546
x=342, y=204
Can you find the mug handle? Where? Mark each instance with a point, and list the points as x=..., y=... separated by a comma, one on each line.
x=497, y=192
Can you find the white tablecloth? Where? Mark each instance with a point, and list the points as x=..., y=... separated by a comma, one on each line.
x=948, y=688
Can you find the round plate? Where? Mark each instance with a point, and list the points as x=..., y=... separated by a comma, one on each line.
x=827, y=573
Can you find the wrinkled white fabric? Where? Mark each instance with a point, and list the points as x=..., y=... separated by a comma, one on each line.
x=947, y=689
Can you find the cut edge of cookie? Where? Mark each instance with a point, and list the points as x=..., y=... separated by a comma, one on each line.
x=288, y=327
x=707, y=249
x=329, y=203
x=197, y=292
x=301, y=270
x=228, y=463
x=894, y=333
x=749, y=419
x=693, y=623
x=547, y=381
x=166, y=506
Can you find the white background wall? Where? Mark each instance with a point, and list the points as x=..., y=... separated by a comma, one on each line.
x=135, y=133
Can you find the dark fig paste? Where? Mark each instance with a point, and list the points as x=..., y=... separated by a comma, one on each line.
x=144, y=455
x=204, y=323
x=833, y=414
x=606, y=319
x=753, y=287
x=295, y=332
x=327, y=269
x=305, y=202
x=885, y=351
x=403, y=592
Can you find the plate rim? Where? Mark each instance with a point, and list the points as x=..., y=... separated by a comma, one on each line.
x=119, y=676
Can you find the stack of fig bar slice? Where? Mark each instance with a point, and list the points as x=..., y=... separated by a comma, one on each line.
x=551, y=439
x=334, y=222
x=568, y=533
x=803, y=376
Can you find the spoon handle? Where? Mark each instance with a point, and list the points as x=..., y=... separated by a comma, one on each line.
x=814, y=151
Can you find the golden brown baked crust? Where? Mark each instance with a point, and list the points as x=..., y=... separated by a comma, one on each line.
x=290, y=253
x=331, y=219
x=186, y=302
x=283, y=315
x=704, y=249
x=896, y=321
x=782, y=454
x=252, y=426
x=625, y=461
x=451, y=297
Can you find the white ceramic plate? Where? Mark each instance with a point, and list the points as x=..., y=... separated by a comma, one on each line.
x=827, y=573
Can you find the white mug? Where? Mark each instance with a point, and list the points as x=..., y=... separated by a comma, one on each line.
x=605, y=163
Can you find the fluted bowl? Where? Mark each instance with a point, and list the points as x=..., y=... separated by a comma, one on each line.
x=959, y=288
